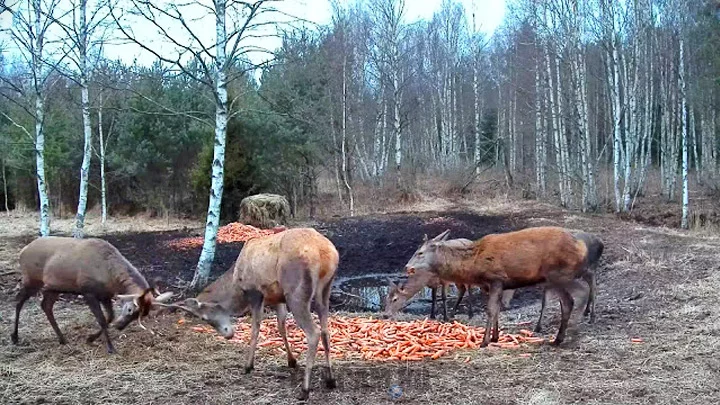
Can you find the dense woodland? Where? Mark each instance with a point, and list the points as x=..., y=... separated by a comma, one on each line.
x=576, y=102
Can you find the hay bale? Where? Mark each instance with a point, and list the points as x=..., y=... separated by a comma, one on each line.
x=264, y=210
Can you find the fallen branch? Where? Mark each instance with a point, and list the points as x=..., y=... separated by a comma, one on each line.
x=7, y=273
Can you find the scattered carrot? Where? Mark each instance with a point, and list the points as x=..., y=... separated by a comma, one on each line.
x=525, y=355
x=181, y=321
x=232, y=232
x=636, y=340
x=381, y=340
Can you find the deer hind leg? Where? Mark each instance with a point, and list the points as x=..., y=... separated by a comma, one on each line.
x=110, y=316
x=94, y=305
x=48, y=301
x=589, y=276
x=461, y=293
x=255, y=299
x=323, y=311
x=546, y=292
x=23, y=295
x=281, y=310
x=299, y=305
x=566, y=306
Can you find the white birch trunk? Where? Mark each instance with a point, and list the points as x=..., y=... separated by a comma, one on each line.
x=476, y=111
x=344, y=140
x=87, y=130
x=207, y=254
x=103, y=186
x=539, y=130
x=617, y=119
x=397, y=95
x=40, y=122
x=684, y=129
x=5, y=187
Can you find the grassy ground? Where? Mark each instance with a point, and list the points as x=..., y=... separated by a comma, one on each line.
x=655, y=283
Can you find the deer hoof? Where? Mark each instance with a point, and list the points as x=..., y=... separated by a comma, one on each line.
x=14, y=338
x=292, y=363
x=330, y=383
x=248, y=369
x=62, y=341
x=483, y=344
x=557, y=342
x=111, y=350
x=537, y=329
x=304, y=394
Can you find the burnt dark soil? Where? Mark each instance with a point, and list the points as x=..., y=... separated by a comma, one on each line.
x=368, y=244
x=657, y=284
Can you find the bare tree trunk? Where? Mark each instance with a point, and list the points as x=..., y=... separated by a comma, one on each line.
x=5, y=187
x=683, y=112
x=476, y=110
x=87, y=129
x=344, y=140
x=103, y=186
x=37, y=62
x=693, y=135
x=207, y=254
x=539, y=129
x=617, y=119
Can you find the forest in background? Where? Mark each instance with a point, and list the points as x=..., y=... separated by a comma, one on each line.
x=588, y=104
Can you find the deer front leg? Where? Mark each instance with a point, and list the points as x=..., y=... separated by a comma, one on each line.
x=433, y=297
x=256, y=312
x=493, y=307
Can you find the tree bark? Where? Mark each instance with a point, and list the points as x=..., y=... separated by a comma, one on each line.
x=684, y=129
x=87, y=129
x=207, y=254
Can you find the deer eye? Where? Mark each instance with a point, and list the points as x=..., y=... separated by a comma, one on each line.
x=394, y=299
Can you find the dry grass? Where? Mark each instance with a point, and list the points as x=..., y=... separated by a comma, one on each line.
x=655, y=283
x=16, y=224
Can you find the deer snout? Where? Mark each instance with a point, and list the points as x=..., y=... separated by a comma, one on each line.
x=226, y=331
x=410, y=270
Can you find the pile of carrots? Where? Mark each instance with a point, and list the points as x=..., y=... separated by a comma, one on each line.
x=232, y=232
x=381, y=340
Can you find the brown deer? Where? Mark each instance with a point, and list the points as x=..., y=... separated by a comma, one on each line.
x=595, y=248
x=92, y=268
x=541, y=255
x=291, y=270
x=435, y=283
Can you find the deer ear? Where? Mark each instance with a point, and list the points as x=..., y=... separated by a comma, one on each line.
x=391, y=283
x=447, y=234
x=442, y=236
x=425, y=238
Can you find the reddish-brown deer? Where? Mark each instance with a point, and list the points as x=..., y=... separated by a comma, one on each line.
x=541, y=255
x=291, y=270
x=92, y=268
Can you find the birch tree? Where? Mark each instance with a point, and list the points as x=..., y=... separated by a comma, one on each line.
x=84, y=30
x=387, y=16
x=221, y=61
x=32, y=19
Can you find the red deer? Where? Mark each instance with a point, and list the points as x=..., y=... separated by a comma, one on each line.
x=291, y=270
x=541, y=255
x=595, y=248
x=92, y=268
x=396, y=297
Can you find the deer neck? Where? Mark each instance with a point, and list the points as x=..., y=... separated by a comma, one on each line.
x=455, y=262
